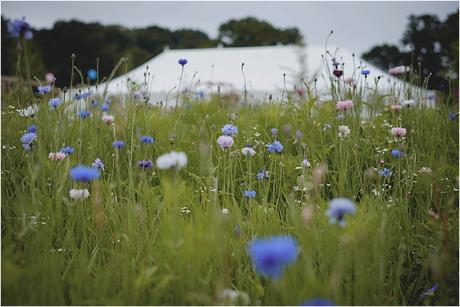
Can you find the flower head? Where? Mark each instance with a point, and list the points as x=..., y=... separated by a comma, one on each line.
x=79, y=194
x=49, y=78
x=54, y=102
x=395, y=107
x=248, y=151
x=30, y=111
x=42, y=90
x=225, y=141
x=145, y=139
x=318, y=302
x=83, y=95
x=108, y=119
x=145, y=163
x=249, y=194
x=271, y=255
x=408, y=103
x=229, y=130
x=84, y=114
x=32, y=129
x=386, y=172
x=365, y=72
x=84, y=173
x=118, y=144
x=182, y=62
x=397, y=153
x=344, y=105
x=344, y=132
x=338, y=207
x=452, y=115
x=67, y=150
x=398, y=132
x=262, y=174
x=105, y=107
x=305, y=162
x=92, y=74
x=18, y=27
x=98, y=164
x=173, y=159
x=398, y=70
x=338, y=73
x=27, y=139
x=57, y=156
x=274, y=132
x=276, y=146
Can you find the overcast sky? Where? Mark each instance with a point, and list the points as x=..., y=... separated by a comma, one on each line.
x=357, y=25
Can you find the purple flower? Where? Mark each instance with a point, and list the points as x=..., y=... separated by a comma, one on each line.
x=105, y=107
x=250, y=194
x=18, y=27
x=54, y=102
x=338, y=208
x=42, y=90
x=32, y=129
x=145, y=163
x=67, y=150
x=274, y=131
x=118, y=144
x=182, y=62
x=397, y=153
x=84, y=173
x=271, y=255
x=27, y=139
x=318, y=302
x=83, y=95
x=385, y=172
x=225, y=141
x=84, y=114
x=98, y=164
x=229, y=130
x=147, y=139
x=276, y=146
x=365, y=72
x=262, y=174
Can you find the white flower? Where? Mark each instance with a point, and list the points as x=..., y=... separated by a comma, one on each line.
x=232, y=297
x=172, y=160
x=108, y=119
x=30, y=111
x=306, y=163
x=408, y=103
x=425, y=170
x=79, y=194
x=344, y=132
x=248, y=151
x=224, y=211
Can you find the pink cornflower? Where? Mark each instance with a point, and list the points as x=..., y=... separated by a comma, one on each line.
x=398, y=132
x=344, y=105
x=395, y=107
x=398, y=70
x=49, y=78
x=108, y=119
x=225, y=141
x=57, y=156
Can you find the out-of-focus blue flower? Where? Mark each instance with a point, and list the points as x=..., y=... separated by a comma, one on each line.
x=145, y=163
x=276, y=146
x=94, y=103
x=147, y=139
x=98, y=164
x=118, y=144
x=105, y=107
x=385, y=172
x=83, y=95
x=92, y=74
x=452, y=115
x=182, y=62
x=318, y=302
x=365, y=72
x=55, y=102
x=229, y=129
x=271, y=255
x=274, y=131
x=84, y=114
x=262, y=174
x=397, y=153
x=84, y=173
x=27, y=139
x=42, y=90
x=430, y=291
x=338, y=207
x=18, y=27
x=298, y=134
x=250, y=193
x=32, y=129
x=67, y=150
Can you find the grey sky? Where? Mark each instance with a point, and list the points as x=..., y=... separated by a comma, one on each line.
x=357, y=25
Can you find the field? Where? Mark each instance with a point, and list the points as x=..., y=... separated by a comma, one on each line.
x=147, y=235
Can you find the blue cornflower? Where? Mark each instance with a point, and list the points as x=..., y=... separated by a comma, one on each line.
x=27, y=139
x=94, y=103
x=84, y=173
x=92, y=74
x=19, y=27
x=271, y=255
x=67, y=150
x=452, y=115
x=276, y=146
x=262, y=174
x=43, y=89
x=118, y=144
x=55, y=102
x=83, y=95
x=98, y=164
x=229, y=129
x=32, y=129
x=145, y=163
x=147, y=139
x=84, y=114
x=338, y=207
x=430, y=291
x=365, y=72
x=250, y=193
x=274, y=131
x=385, y=172
x=397, y=153
x=105, y=107
x=182, y=62
x=318, y=302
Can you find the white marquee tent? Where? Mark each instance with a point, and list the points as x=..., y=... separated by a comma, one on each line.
x=210, y=68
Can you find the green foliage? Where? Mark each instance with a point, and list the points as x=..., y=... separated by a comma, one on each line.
x=134, y=242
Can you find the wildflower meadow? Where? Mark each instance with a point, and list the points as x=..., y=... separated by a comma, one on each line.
x=109, y=200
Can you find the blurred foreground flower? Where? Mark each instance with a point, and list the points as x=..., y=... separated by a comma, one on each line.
x=318, y=302
x=57, y=156
x=84, y=173
x=29, y=111
x=233, y=297
x=18, y=27
x=108, y=119
x=344, y=105
x=173, y=159
x=338, y=208
x=271, y=255
x=79, y=194
x=344, y=132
